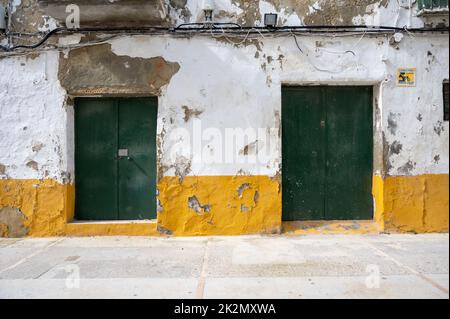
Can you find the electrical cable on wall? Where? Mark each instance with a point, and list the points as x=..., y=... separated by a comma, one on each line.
x=224, y=29
x=351, y=51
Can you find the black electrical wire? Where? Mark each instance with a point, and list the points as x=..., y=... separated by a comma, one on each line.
x=201, y=26
x=38, y=44
x=232, y=27
x=296, y=43
x=207, y=25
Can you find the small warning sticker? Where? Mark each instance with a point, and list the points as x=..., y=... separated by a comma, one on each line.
x=406, y=77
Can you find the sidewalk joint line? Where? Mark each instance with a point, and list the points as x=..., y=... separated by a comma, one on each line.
x=37, y=252
x=408, y=268
x=202, y=279
x=14, y=241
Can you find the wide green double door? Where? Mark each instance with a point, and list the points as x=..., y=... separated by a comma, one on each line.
x=115, y=158
x=327, y=148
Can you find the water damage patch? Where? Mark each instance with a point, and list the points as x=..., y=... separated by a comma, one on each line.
x=242, y=189
x=248, y=202
x=395, y=148
x=111, y=13
x=250, y=149
x=439, y=128
x=190, y=113
x=219, y=205
x=181, y=7
x=33, y=165
x=164, y=231
x=194, y=204
x=12, y=223
x=392, y=123
x=311, y=12
x=97, y=70
x=407, y=168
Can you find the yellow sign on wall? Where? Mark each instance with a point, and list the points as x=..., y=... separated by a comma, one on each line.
x=406, y=77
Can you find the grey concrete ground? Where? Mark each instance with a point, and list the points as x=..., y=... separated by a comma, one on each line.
x=385, y=266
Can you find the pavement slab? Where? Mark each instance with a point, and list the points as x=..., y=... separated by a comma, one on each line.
x=311, y=266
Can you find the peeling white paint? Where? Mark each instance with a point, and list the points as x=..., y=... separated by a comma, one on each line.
x=240, y=87
x=376, y=14
x=48, y=24
x=418, y=137
x=15, y=4
x=315, y=7
x=70, y=39
x=231, y=86
x=32, y=115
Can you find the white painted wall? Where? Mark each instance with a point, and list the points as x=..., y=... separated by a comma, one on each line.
x=238, y=87
x=33, y=119
x=235, y=89
x=420, y=138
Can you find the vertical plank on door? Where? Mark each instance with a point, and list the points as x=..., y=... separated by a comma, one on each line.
x=349, y=153
x=303, y=147
x=95, y=159
x=137, y=172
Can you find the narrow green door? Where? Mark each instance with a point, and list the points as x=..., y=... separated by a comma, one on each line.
x=115, y=158
x=137, y=171
x=327, y=153
x=95, y=159
x=303, y=153
x=349, y=146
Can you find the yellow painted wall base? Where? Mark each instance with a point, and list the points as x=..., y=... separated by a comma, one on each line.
x=44, y=206
x=414, y=204
x=219, y=205
x=223, y=205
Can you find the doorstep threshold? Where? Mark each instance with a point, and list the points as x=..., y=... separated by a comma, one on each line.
x=104, y=222
x=331, y=227
x=79, y=228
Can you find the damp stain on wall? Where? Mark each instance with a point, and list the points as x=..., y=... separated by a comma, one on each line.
x=96, y=69
x=37, y=208
x=219, y=205
x=311, y=12
x=12, y=223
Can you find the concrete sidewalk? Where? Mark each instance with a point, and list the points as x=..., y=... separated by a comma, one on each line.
x=382, y=266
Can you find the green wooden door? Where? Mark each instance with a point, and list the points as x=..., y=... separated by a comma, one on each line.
x=137, y=171
x=349, y=147
x=115, y=158
x=327, y=153
x=95, y=159
x=303, y=153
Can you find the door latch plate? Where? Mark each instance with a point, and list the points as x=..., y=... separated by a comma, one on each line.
x=123, y=152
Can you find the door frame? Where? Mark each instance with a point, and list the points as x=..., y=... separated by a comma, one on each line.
x=70, y=142
x=378, y=140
